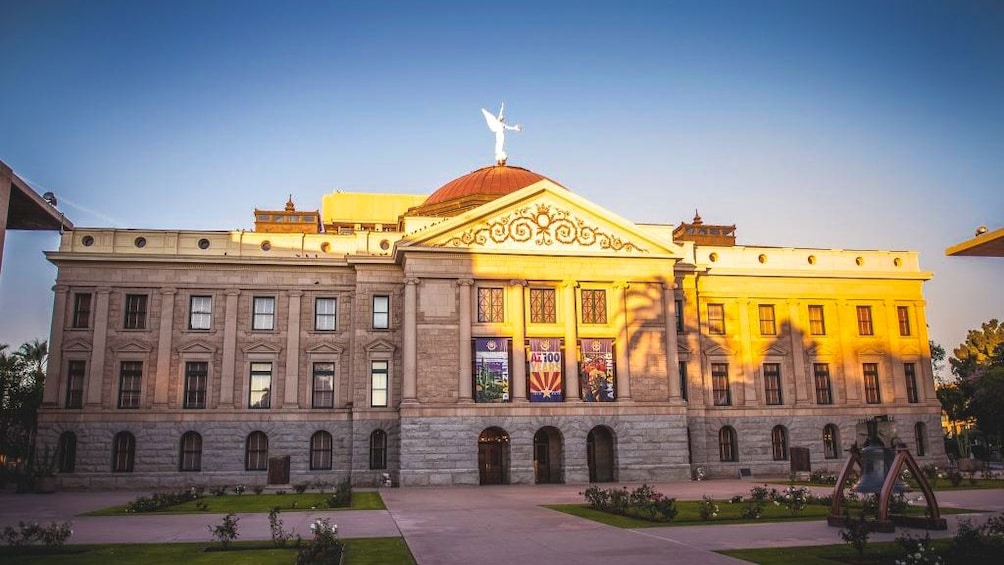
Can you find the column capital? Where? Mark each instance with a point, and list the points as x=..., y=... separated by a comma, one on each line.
x=670, y=285
x=464, y=282
x=412, y=281
x=570, y=284
x=622, y=285
x=168, y=291
x=295, y=293
x=60, y=288
x=232, y=292
x=518, y=282
x=103, y=290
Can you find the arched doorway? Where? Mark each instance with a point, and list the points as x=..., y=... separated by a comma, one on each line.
x=548, y=453
x=493, y=457
x=600, y=455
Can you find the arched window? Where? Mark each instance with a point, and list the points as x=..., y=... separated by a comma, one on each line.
x=67, y=452
x=779, y=443
x=920, y=433
x=378, y=450
x=727, y=444
x=256, y=452
x=123, y=452
x=831, y=442
x=320, y=450
x=190, y=452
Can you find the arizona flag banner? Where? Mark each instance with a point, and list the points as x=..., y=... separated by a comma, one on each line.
x=491, y=370
x=546, y=384
x=596, y=372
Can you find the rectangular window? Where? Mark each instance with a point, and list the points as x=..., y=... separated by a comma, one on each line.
x=772, y=383
x=542, y=308
x=260, y=395
x=716, y=319
x=720, y=384
x=767, y=325
x=871, y=375
x=594, y=306
x=490, y=305
x=903, y=313
x=865, y=320
x=200, y=313
x=130, y=381
x=81, y=310
x=817, y=323
x=135, y=312
x=378, y=383
x=324, y=385
x=821, y=374
x=381, y=312
x=325, y=314
x=196, y=383
x=264, y=313
x=75, y=371
x=683, y=380
x=679, y=316
x=909, y=369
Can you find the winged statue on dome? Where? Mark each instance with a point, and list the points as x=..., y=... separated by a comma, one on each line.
x=498, y=126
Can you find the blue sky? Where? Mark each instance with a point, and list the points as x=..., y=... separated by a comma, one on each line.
x=855, y=125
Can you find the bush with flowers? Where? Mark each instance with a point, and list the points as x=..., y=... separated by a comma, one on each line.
x=917, y=551
x=643, y=502
x=324, y=547
x=53, y=535
x=707, y=508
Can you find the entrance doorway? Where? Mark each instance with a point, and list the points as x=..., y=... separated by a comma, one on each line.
x=493, y=457
x=548, y=453
x=600, y=455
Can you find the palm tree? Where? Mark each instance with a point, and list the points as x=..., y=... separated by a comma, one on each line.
x=35, y=353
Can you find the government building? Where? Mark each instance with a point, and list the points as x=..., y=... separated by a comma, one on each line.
x=499, y=330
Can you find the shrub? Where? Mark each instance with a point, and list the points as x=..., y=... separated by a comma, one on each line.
x=752, y=510
x=978, y=545
x=643, y=502
x=321, y=486
x=161, y=500
x=324, y=547
x=856, y=532
x=300, y=488
x=53, y=535
x=226, y=532
x=793, y=498
x=707, y=508
x=218, y=491
x=258, y=489
x=239, y=489
x=955, y=477
x=823, y=477
x=917, y=551
x=597, y=498
x=280, y=537
x=760, y=494
x=342, y=496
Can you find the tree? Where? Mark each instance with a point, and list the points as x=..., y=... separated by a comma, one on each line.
x=22, y=378
x=937, y=361
x=979, y=365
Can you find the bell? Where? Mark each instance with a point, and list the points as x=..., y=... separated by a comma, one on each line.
x=875, y=463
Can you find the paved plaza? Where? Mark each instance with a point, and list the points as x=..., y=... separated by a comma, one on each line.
x=485, y=525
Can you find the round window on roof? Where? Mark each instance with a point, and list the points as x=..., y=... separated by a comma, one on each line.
x=140, y=242
x=87, y=241
x=812, y=259
x=897, y=262
x=859, y=261
x=384, y=244
x=762, y=258
x=266, y=245
x=203, y=243
x=325, y=247
x=713, y=257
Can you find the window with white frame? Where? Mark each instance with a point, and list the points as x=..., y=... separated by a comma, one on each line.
x=324, y=385
x=379, y=372
x=260, y=395
x=200, y=313
x=264, y=313
x=325, y=314
x=381, y=312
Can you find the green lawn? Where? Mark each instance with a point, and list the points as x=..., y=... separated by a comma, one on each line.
x=359, y=551
x=250, y=503
x=940, y=485
x=728, y=513
x=875, y=553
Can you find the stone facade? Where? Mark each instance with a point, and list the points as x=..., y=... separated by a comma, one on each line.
x=369, y=337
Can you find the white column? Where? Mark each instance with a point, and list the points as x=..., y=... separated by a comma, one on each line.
x=516, y=314
x=672, y=348
x=623, y=359
x=291, y=384
x=465, y=375
x=229, y=349
x=54, y=367
x=162, y=377
x=410, y=385
x=95, y=376
x=571, y=361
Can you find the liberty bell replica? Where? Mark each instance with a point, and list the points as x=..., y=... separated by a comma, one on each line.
x=876, y=456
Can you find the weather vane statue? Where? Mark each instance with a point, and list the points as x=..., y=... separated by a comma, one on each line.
x=498, y=126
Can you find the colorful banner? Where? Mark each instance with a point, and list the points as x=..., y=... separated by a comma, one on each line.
x=491, y=370
x=596, y=372
x=546, y=384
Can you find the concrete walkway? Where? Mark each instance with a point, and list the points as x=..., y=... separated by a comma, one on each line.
x=486, y=525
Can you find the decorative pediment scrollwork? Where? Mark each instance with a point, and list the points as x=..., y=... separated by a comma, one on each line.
x=545, y=226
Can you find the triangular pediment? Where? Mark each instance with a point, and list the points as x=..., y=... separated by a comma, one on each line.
x=133, y=347
x=325, y=349
x=542, y=218
x=78, y=345
x=262, y=347
x=380, y=346
x=818, y=349
x=775, y=350
x=871, y=352
x=197, y=347
x=717, y=350
x=911, y=350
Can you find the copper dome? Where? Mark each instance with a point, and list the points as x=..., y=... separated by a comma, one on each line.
x=476, y=188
